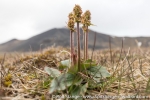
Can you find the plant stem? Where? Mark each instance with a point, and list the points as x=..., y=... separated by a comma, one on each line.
x=73, y=42
x=71, y=47
x=74, y=50
x=86, y=44
x=78, y=44
x=74, y=54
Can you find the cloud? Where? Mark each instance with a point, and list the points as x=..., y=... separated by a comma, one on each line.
x=25, y=18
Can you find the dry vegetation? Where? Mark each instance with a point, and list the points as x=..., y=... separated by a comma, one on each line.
x=23, y=77
x=41, y=75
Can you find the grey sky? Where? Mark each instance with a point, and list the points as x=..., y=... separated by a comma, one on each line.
x=22, y=19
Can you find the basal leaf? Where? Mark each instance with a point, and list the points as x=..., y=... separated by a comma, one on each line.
x=84, y=89
x=61, y=82
x=73, y=69
x=76, y=90
x=98, y=72
x=52, y=72
x=66, y=63
x=88, y=63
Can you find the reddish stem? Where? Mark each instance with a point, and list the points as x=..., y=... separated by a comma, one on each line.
x=78, y=45
x=86, y=49
x=84, y=45
x=73, y=51
x=71, y=47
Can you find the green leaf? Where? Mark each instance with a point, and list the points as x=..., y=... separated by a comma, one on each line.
x=98, y=72
x=77, y=81
x=88, y=63
x=84, y=89
x=61, y=82
x=66, y=63
x=78, y=90
x=52, y=72
x=73, y=69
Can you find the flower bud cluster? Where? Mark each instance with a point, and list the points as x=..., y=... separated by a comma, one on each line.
x=86, y=20
x=77, y=13
x=71, y=22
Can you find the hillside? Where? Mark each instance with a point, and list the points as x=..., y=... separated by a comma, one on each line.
x=60, y=37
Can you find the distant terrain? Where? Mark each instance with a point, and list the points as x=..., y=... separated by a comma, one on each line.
x=61, y=37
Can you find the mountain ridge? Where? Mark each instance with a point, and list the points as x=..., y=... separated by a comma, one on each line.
x=61, y=37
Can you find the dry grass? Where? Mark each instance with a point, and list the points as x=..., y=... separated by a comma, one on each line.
x=130, y=73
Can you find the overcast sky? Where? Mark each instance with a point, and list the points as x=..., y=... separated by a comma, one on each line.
x=22, y=19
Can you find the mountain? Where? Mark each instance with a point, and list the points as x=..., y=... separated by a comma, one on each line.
x=61, y=37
